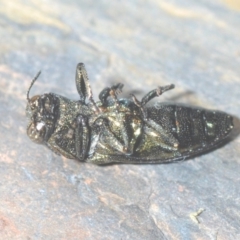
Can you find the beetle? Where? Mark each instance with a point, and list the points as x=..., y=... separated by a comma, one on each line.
x=116, y=130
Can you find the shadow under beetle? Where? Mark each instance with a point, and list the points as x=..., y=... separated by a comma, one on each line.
x=122, y=130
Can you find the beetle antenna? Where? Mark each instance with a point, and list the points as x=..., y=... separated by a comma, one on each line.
x=33, y=81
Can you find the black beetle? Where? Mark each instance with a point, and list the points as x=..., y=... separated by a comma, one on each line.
x=122, y=130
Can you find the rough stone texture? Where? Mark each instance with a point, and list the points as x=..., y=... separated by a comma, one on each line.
x=194, y=44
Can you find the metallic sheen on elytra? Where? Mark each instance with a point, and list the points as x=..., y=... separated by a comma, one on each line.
x=122, y=130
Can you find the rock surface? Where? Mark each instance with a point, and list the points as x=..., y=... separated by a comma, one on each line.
x=193, y=44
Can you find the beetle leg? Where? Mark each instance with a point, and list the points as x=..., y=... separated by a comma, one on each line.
x=83, y=86
x=149, y=96
x=107, y=136
x=122, y=123
x=82, y=135
x=112, y=91
x=155, y=93
x=51, y=144
x=157, y=130
x=126, y=133
x=78, y=134
x=139, y=104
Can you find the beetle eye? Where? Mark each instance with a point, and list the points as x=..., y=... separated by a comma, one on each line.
x=36, y=132
x=33, y=102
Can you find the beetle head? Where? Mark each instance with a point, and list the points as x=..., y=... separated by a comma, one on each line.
x=43, y=112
